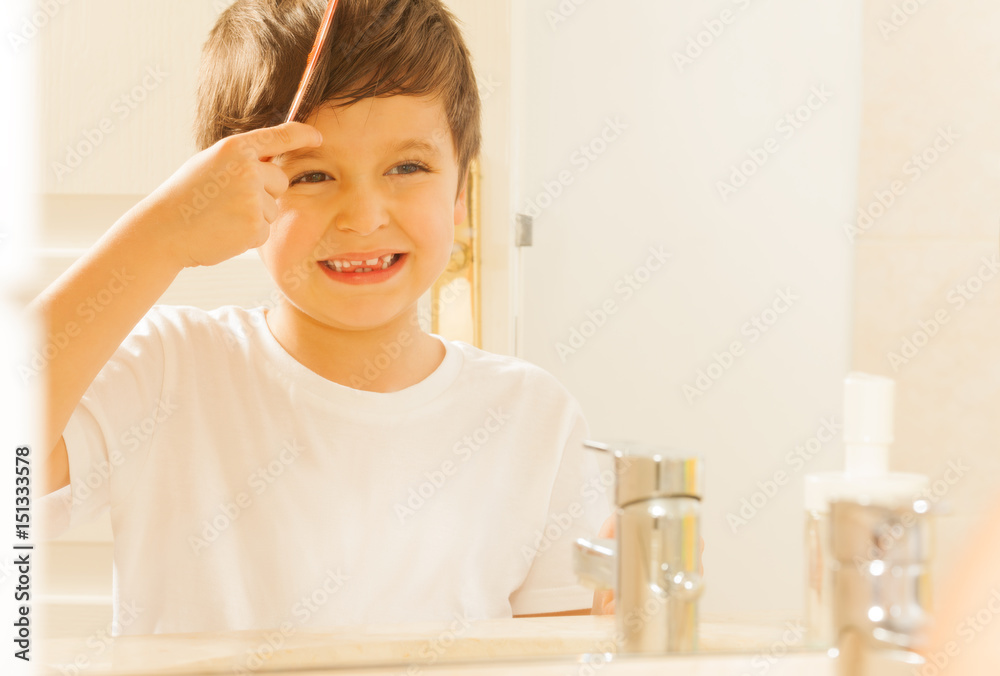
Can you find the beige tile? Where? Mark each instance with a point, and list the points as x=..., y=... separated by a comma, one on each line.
x=940, y=70
x=948, y=393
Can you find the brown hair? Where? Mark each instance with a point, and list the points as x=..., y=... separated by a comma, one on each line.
x=256, y=53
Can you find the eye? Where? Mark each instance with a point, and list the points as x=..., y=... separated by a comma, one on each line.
x=303, y=177
x=408, y=168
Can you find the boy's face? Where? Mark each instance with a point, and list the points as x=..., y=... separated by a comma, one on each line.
x=384, y=181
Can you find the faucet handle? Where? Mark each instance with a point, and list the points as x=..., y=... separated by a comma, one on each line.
x=645, y=471
x=598, y=446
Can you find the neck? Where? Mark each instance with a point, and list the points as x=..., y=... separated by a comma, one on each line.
x=385, y=358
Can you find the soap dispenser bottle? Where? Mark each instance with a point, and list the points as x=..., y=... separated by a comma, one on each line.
x=868, y=433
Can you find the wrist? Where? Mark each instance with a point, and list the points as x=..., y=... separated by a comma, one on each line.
x=152, y=239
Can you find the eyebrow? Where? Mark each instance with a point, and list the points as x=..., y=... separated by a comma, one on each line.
x=303, y=154
x=416, y=144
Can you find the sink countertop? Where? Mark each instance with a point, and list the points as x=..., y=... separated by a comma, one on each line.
x=552, y=644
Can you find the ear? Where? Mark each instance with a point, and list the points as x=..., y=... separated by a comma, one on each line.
x=461, y=209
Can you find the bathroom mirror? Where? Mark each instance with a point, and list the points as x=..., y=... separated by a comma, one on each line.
x=735, y=204
x=730, y=206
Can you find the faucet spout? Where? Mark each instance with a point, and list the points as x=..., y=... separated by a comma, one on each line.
x=594, y=562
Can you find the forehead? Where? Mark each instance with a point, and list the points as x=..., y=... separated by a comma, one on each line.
x=381, y=126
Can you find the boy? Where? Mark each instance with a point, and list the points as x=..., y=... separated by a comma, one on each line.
x=253, y=475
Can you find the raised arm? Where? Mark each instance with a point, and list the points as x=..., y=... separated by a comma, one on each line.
x=219, y=204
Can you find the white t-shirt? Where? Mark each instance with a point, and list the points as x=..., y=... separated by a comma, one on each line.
x=247, y=491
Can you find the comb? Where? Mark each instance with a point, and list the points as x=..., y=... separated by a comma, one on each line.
x=314, y=54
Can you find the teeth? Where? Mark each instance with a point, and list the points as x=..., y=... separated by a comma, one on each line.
x=380, y=263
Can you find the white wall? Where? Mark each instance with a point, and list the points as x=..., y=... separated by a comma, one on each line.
x=656, y=184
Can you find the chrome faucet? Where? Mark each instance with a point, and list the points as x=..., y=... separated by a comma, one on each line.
x=654, y=562
x=881, y=584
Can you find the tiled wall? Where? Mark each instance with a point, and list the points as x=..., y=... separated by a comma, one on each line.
x=927, y=269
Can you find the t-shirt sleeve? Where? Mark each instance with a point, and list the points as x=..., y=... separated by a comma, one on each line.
x=579, y=505
x=108, y=434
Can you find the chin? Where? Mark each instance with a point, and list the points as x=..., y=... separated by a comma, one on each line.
x=361, y=320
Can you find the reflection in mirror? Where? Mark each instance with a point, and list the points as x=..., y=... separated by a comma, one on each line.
x=731, y=208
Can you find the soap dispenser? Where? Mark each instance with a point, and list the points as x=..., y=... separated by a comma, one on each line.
x=868, y=433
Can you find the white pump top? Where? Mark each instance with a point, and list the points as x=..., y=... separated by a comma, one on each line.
x=868, y=431
x=868, y=420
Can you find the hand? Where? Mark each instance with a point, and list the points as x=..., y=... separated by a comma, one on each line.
x=604, y=601
x=222, y=201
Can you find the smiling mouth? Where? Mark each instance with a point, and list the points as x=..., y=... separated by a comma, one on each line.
x=371, y=265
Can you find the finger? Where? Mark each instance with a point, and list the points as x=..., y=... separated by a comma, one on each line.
x=600, y=602
x=275, y=180
x=701, y=558
x=269, y=209
x=607, y=528
x=263, y=233
x=283, y=138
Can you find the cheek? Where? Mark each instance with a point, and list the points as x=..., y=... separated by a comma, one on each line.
x=437, y=237
x=288, y=244
x=435, y=225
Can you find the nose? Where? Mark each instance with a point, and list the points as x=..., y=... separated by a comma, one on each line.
x=360, y=209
